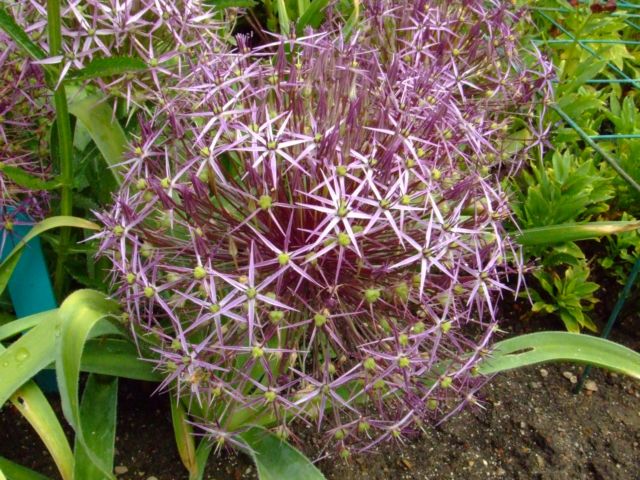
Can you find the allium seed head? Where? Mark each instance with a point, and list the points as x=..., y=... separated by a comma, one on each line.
x=348, y=213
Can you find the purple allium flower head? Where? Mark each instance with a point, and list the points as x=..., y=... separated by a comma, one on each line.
x=25, y=116
x=313, y=229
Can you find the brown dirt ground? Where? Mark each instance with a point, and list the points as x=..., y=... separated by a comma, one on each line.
x=530, y=427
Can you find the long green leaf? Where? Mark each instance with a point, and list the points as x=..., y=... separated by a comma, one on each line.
x=561, y=346
x=353, y=19
x=106, y=67
x=202, y=456
x=276, y=459
x=28, y=355
x=221, y=4
x=117, y=358
x=13, y=471
x=84, y=315
x=313, y=15
x=98, y=412
x=96, y=116
x=183, y=433
x=25, y=179
x=18, y=35
x=35, y=408
x=572, y=232
x=23, y=324
x=8, y=266
x=283, y=17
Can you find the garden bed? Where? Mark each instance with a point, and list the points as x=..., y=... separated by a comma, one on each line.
x=531, y=427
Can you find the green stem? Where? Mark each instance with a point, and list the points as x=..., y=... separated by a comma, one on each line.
x=65, y=143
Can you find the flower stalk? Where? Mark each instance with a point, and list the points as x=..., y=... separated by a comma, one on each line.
x=65, y=143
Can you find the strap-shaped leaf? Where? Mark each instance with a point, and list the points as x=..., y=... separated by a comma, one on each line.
x=220, y=4
x=107, y=67
x=18, y=35
x=313, y=16
x=183, y=433
x=276, y=459
x=283, y=17
x=23, y=324
x=25, y=179
x=118, y=358
x=561, y=346
x=35, y=408
x=202, y=456
x=98, y=412
x=29, y=354
x=13, y=471
x=353, y=19
x=83, y=315
x=96, y=116
x=554, y=234
x=8, y=266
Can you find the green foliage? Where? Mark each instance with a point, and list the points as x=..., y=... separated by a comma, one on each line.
x=542, y=347
x=568, y=295
x=106, y=67
x=563, y=191
x=575, y=185
x=275, y=459
x=11, y=261
x=59, y=336
x=622, y=252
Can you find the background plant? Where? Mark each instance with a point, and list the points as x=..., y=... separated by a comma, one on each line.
x=572, y=182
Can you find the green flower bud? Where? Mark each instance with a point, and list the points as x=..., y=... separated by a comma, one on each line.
x=199, y=273
x=343, y=239
x=276, y=316
x=265, y=202
x=319, y=319
x=402, y=291
x=369, y=364
x=283, y=258
x=371, y=295
x=446, y=382
x=418, y=328
x=257, y=352
x=403, y=362
x=149, y=292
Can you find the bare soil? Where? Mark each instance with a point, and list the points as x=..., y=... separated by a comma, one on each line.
x=531, y=426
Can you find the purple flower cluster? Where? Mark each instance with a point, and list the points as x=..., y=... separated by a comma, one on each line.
x=25, y=117
x=312, y=230
x=163, y=33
